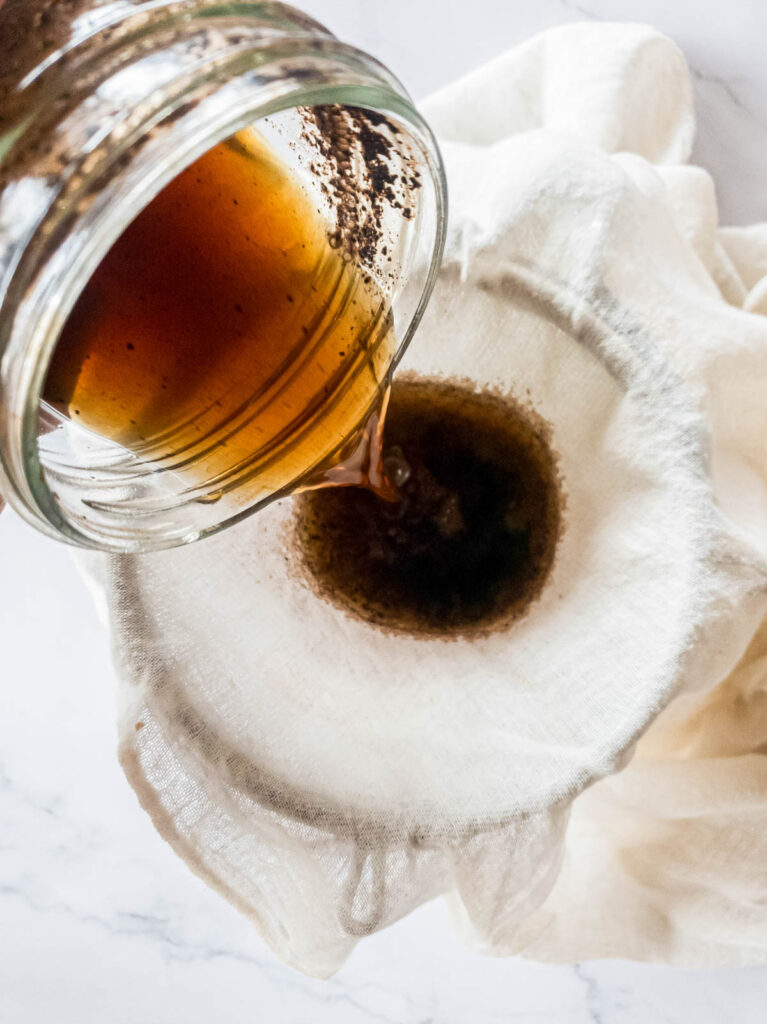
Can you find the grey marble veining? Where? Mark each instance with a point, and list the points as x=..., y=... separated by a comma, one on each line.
x=101, y=924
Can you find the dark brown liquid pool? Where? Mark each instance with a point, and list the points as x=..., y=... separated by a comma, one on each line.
x=473, y=539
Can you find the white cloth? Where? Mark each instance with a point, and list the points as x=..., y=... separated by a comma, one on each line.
x=326, y=777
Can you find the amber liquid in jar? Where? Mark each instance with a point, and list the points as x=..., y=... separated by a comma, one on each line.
x=223, y=337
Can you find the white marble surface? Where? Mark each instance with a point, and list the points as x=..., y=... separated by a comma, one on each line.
x=101, y=924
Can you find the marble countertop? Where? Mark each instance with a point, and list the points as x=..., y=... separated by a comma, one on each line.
x=101, y=923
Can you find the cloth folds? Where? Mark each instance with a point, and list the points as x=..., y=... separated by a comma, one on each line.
x=594, y=782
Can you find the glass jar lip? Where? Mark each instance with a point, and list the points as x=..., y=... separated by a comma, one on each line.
x=378, y=92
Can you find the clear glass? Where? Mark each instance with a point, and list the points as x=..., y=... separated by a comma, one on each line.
x=127, y=97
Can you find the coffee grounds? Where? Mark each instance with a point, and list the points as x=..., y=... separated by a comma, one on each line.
x=355, y=165
x=472, y=541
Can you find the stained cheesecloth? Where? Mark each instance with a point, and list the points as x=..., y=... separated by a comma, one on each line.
x=590, y=781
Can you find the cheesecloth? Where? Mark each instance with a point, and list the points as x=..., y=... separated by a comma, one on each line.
x=326, y=776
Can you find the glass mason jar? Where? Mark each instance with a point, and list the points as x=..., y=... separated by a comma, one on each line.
x=102, y=104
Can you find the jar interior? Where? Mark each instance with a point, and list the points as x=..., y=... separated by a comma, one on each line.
x=240, y=332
